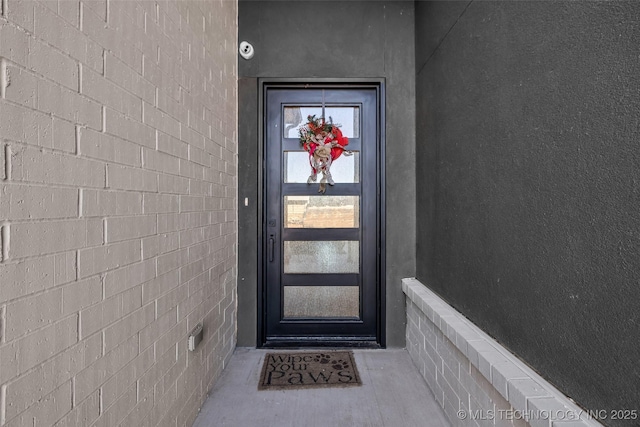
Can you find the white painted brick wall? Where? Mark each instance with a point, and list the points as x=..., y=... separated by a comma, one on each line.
x=117, y=208
x=476, y=380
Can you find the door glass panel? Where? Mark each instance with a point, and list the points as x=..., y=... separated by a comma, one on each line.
x=321, y=211
x=294, y=117
x=344, y=170
x=341, y=256
x=321, y=301
x=347, y=118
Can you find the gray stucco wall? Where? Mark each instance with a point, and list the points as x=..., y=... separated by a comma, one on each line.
x=328, y=39
x=528, y=203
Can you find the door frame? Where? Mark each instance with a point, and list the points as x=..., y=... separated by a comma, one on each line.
x=322, y=83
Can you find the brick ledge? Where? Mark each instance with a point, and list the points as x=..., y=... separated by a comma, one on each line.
x=523, y=388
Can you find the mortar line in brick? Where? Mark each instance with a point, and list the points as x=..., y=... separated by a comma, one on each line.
x=4, y=81
x=80, y=73
x=73, y=392
x=79, y=328
x=81, y=17
x=53, y=221
x=80, y=202
x=104, y=119
x=7, y=162
x=41, y=184
x=6, y=241
x=3, y=404
x=104, y=231
x=78, y=136
x=3, y=323
x=104, y=62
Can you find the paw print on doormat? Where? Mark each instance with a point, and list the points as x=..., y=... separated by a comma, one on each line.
x=323, y=358
x=339, y=364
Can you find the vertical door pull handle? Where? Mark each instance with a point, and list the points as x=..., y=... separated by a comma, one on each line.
x=271, y=247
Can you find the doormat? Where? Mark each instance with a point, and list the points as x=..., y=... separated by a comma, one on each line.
x=281, y=371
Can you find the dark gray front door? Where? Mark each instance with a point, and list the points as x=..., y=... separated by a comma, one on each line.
x=321, y=251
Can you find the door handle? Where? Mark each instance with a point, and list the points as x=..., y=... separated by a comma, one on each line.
x=272, y=242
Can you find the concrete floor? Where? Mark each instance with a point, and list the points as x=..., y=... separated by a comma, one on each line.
x=392, y=394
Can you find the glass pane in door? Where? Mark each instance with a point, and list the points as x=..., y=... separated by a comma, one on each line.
x=342, y=256
x=321, y=211
x=348, y=118
x=321, y=301
x=294, y=117
x=344, y=170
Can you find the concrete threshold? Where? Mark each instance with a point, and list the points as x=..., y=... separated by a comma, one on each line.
x=393, y=393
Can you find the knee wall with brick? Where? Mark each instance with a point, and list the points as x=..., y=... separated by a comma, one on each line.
x=476, y=380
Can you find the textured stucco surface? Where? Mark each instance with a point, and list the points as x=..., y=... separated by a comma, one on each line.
x=328, y=39
x=529, y=208
x=117, y=209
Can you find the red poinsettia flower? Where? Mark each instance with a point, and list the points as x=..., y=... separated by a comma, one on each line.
x=342, y=142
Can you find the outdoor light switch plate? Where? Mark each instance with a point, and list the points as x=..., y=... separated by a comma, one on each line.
x=195, y=337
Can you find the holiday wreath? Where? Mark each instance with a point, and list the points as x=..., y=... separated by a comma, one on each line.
x=325, y=143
